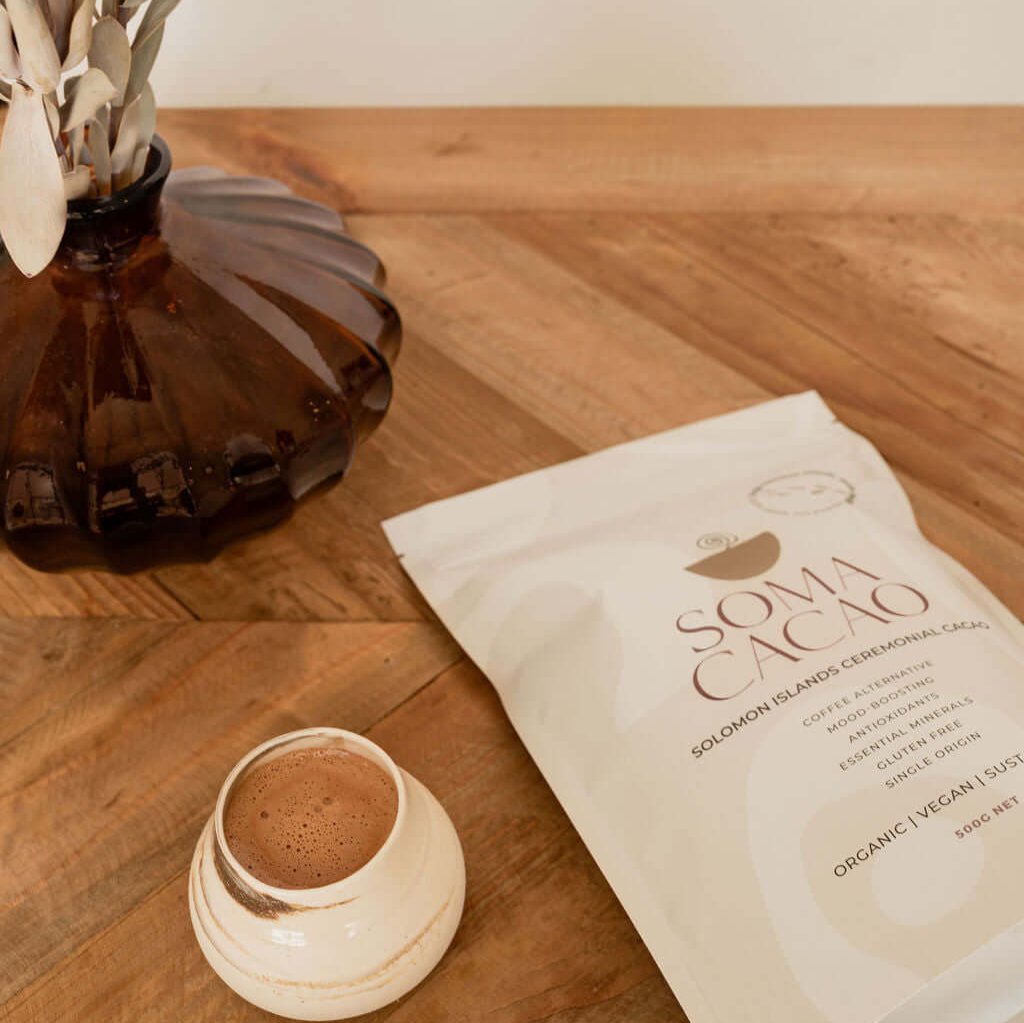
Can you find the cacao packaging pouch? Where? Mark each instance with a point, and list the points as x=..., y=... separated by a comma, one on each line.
x=788, y=728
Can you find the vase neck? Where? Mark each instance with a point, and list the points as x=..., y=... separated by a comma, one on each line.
x=102, y=234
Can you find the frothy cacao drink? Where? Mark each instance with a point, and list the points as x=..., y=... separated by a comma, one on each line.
x=310, y=817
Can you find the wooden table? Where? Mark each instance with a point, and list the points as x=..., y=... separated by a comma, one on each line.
x=569, y=279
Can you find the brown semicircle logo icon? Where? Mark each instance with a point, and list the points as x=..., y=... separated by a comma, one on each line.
x=736, y=559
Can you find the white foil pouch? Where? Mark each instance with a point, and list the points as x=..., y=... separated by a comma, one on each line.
x=788, y=728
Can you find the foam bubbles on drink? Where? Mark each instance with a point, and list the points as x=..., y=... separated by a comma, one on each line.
x=310, y=817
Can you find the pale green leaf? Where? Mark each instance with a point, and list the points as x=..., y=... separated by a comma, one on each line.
x=33, y=210
x=40, y=64
x=80, y=37
x=10, y=62
x=154, y=18
x=99, y=147
x=77, y=183
x=143, y=59
x=93, y=91
x=111, y=52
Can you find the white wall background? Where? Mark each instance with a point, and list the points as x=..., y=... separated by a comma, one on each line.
x=484, y=52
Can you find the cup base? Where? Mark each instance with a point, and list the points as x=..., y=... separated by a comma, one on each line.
x=340, y=960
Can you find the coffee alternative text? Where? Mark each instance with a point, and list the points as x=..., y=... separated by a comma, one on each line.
x=742, y=722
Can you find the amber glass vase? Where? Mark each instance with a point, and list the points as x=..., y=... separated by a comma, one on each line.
x=203, y=351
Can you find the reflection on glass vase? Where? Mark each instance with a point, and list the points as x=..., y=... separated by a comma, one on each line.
x=194, y=360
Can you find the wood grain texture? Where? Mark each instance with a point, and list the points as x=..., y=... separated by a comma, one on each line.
x=25, y=593
x=620, y=159
x=534, y=896
x=568, y=280
x=117, y=736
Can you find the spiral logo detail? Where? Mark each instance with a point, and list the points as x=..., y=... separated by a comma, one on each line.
x=717, y=541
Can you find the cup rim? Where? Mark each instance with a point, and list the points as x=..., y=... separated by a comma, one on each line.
x=291, y=895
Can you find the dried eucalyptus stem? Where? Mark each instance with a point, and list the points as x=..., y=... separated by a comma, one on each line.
x=82, y=113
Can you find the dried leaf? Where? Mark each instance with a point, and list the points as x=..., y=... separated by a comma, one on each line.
x=70, y=84
x=40, y=64
x=10, y=63
x=127, y=139
x=127, y=12
x=5, y=92
x=99, y=146
x=139, y=162
x=48, y=15
x=154, y=18
x=33, y=210
x=108, y=8
x=76, y=140
x=103, y=118
x=93, y=91
x=111, y=52
x=132, y=3
x=52, y=116
x=147, y=116
x=80, y=36
x=143, y=58
x=77, y=183
x=58, y=15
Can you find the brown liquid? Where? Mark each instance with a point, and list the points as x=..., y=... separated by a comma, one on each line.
x=310, y=817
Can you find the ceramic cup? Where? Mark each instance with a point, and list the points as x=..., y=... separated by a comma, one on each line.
x=345, y=948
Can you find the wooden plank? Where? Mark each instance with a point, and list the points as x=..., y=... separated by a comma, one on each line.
x=590, y=365
x=329, y=562
x=649, y=159
x=869, y=302
x=568, y=279
x=938, y=278
x=535, y=900
x=116, y=737
x=947, y=420
x=25, y=593
x=447, y=432
x=542, y=334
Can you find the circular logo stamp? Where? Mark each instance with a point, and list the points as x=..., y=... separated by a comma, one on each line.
x=803, y=493
x=717, y=541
